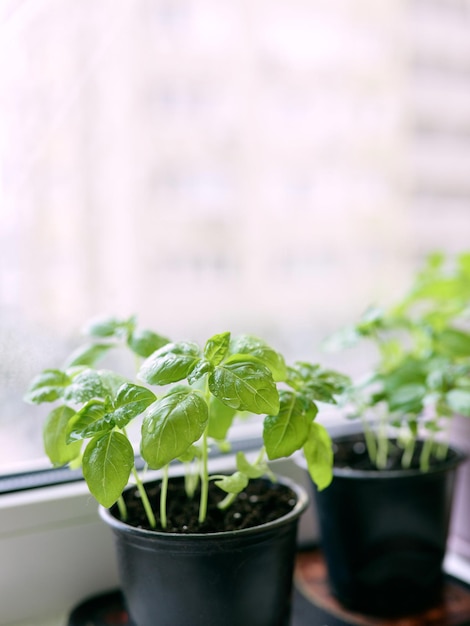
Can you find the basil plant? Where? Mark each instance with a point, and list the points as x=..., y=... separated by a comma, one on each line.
x=186, y=398
x=422, y=374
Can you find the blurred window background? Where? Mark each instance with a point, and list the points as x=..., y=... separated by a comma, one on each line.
x=268, y=167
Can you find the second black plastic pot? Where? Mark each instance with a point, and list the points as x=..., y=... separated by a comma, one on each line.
x=384, y=535
x=235, y=578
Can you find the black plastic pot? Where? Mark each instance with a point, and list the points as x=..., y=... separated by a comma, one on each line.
x=384, y=535
x=235, y=578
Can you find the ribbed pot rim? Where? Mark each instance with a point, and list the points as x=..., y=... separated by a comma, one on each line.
x=300, y=506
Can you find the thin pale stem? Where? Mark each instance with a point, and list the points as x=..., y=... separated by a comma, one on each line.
x=144, y=498
x=260, y=456
x=382, y=452
x=190, y=480
x=227, y=501
x=425, y=454
x=371, y=443
x=408, y=453
x=231, y=497
x=204, y=465
x=163, y=497
x=143, y=494
x=204, y=479
x=122, y=509
x=382, y=445
x=442, y=448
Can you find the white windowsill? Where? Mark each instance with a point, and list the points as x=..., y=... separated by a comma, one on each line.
x=55, y=551
x=52, y=621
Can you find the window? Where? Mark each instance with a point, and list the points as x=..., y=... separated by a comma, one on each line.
x=263, y=167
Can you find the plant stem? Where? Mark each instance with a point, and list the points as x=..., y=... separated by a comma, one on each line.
x=163, y=496
x=442, y=448
x=371, y=443
x=227, y=501
x=145, y=500
x=122, y=508
x=425, y=454
x=204, y=469
x=382, y=451
x=231, y=497
x=204, y=479
x=143, y=495
x=382, y=444
x=408, y=453
x=190, y=480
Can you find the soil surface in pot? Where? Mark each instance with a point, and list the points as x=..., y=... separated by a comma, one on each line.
x=261, y=502
x=351, y=452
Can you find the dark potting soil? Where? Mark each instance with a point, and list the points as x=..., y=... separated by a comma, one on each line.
x=261, y=502
x=351, y=452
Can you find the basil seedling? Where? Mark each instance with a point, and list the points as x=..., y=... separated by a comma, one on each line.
x=187, y=398
x=422, y=375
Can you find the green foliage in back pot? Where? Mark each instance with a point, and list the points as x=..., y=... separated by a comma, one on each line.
x=186, y=397
x=422, y=376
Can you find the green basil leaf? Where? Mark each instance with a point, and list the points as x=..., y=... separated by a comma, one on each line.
x=145, y=342
x=459, y=401
x=392, y=352
x=463, y=261
x=220, y=419
x=170, y=364
x=257, y=348
x=311, y=409
x=85, y=386
x=107, y=464
x=111, y=382
x=193, y=452
x=47, y=387
x=336, y=381
x=321, y=392
x=294, y=377
x=92, y=419
x=453, y=343
x=110, y=327
x=55, y=436
x=171, y=425
x=437, y=378
x=442, y=408
x=440, y=289
x=409, y=372
x=235, y=483
x=251, y=470
x=131, y=401
x=287, y=431
x=407, y=399
x=318, y=453
x=89, y=354
x=99, y=416
x=317, y=383
x=245, y=386
x=216, y=348
x=201, y=368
